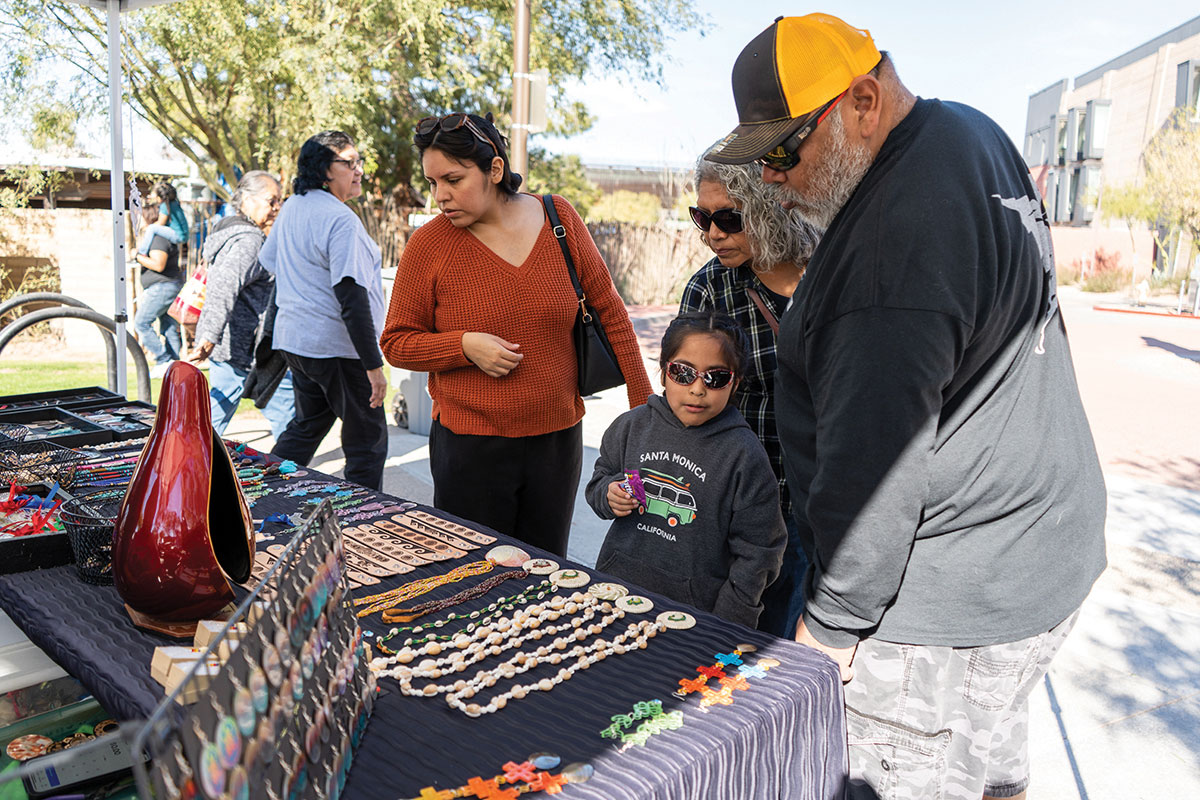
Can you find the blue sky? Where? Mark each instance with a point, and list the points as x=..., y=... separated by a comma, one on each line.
x=989, y=55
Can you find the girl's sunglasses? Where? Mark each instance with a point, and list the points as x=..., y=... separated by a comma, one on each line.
x=727, y=219
x=452, y=122
x=685, y=375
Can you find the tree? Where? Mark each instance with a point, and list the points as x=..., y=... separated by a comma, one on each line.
x=1167, y=195
x=239, y=84
x=1131, y=204
x=1171, y=164
x=562, y=175
x=623, y=205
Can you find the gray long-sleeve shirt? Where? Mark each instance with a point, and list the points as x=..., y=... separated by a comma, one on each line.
x=941, y=466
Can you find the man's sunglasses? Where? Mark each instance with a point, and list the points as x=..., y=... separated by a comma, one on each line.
x=727, y=219
x=787, y=154
x=685, y=375
x=452, y=122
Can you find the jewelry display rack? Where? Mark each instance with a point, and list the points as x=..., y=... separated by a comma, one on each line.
x=289, y=705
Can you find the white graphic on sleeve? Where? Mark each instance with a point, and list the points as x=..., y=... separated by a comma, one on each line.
x=1033, y=217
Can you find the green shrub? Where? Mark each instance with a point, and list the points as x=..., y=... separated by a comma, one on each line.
x=1109, y=280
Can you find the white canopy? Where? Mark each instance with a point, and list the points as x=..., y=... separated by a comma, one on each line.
x=117, y=174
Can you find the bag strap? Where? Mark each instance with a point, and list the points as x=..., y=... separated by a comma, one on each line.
x=772, y=320
x=560, y=233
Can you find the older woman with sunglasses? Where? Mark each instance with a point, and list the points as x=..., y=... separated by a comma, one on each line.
x=483, y=302
x=329, y=292
x=761, y=251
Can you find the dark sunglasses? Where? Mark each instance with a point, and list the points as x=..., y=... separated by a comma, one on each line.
x=727, y=219
x=685, y=375
x=787, y=154
x=452, y=122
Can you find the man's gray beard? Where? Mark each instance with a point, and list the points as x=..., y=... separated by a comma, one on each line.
x=834, y=180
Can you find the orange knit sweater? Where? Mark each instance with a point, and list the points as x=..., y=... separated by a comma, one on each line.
x=449, y=284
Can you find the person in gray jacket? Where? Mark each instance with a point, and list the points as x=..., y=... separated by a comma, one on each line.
x=708, y=529
x=237, y=294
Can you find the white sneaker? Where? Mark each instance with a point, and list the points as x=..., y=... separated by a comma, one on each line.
x=159, y=370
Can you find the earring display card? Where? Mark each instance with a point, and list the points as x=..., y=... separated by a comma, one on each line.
x=287, y=710
x=58, y=426
x=58, y=397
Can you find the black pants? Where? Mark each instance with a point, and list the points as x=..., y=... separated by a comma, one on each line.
x=523, y=486
x=336, y=388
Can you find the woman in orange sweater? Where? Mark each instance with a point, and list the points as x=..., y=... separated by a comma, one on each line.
x=483, y=303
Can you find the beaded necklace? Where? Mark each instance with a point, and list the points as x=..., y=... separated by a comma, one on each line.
x=537, y=591
x=408, y=591
x=638, y=634
x=486, y=639
x=481, y=588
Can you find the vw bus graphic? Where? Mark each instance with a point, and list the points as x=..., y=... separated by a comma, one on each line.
x=668, y=498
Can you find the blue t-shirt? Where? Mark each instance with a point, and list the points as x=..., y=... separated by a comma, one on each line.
x=177, y=220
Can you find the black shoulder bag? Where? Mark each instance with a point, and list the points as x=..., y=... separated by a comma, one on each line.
x=598, y=368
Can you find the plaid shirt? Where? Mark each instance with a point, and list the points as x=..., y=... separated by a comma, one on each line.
x=723, y=288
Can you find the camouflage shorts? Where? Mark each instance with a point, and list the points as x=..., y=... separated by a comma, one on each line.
x=934, y=723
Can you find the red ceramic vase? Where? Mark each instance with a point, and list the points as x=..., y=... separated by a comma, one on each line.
x=183, y=532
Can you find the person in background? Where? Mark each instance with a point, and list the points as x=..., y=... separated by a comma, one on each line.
x=329, y=294
x=161, y=280
x=941, y=465
x=483, y=302
x=236, y=298
x=170, y=222
x=713, y=538
x=761, y=250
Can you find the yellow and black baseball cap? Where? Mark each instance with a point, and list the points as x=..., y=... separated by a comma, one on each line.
x=787, y=73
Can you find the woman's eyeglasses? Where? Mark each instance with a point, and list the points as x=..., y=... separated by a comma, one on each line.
x=787, y=154
x=352, y=163
x=452, y=122
x=727, y=219
x=685, y=375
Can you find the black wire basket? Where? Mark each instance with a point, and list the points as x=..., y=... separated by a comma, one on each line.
x=24, y=463
x=11, y=433
x=90, y=520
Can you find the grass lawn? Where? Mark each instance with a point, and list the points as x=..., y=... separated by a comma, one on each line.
x=23, y=376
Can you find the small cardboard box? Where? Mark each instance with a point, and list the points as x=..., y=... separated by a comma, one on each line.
x=167, y=657
x=209, y=629
x=200, y=681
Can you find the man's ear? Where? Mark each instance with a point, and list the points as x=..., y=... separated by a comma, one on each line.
x=864, y=106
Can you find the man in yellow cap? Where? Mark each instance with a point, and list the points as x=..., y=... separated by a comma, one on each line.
x=945, y=478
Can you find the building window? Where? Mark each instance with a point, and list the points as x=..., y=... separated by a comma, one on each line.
x=1187, y=87
x=1098, y=114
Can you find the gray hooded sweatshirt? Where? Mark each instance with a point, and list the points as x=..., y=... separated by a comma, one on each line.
x=237, y=290
x=710, y=532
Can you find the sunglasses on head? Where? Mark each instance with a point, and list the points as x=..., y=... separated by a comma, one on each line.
x=787, y=154
x=452, y=122
x=727, y=219
x=685, y=375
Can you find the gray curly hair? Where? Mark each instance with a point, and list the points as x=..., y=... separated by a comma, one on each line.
x=254, y=182
x=775, y=235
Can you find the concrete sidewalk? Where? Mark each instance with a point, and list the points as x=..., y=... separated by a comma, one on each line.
x=1118, y=717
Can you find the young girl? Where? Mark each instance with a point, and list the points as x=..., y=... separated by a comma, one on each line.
x=171, y=223
x=707, y=529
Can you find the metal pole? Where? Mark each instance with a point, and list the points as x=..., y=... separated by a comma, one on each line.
x=117, y=189
x=520, y=115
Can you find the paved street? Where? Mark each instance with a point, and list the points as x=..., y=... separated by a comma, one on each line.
x=1119, y=715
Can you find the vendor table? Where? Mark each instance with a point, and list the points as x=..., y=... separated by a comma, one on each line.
x=783, y=738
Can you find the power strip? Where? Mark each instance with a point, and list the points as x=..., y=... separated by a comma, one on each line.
x=100, y=761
